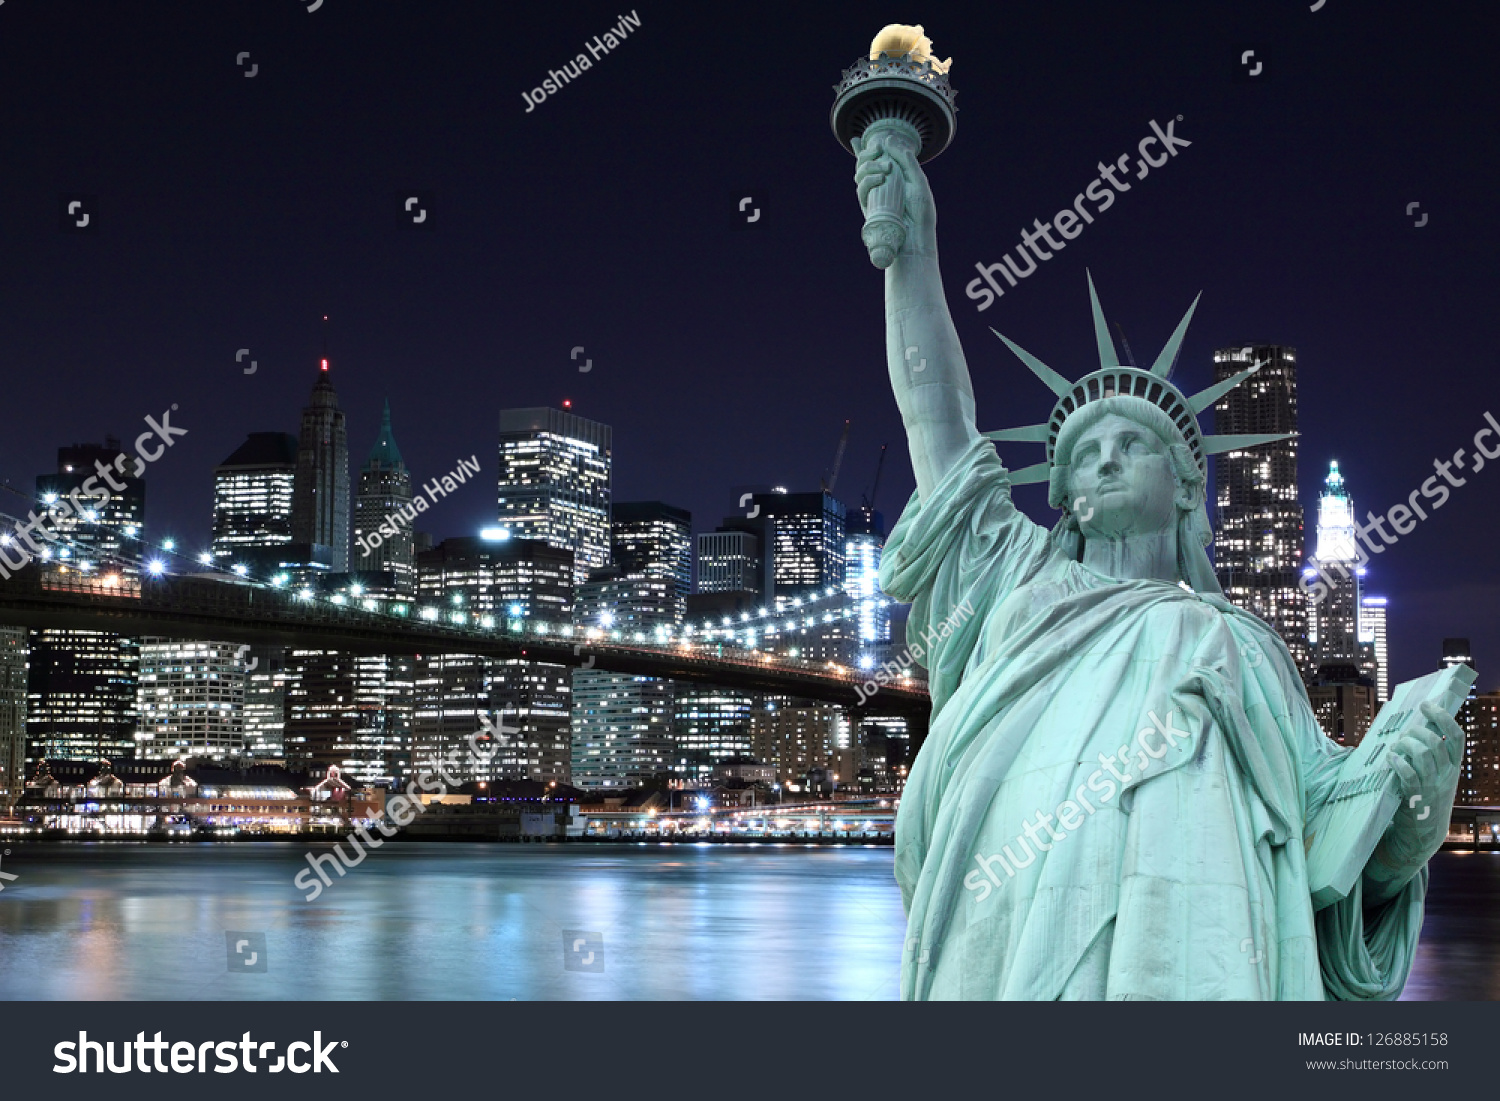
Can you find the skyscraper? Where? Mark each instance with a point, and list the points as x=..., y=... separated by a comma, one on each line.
x=554, y=483
x=385, y=491
x=320, y=495
x=12, y=715
x=191, y=699
x=1476, y=783
x=652, y=539
x=622, y=724
x=253, y=491
x=730, y=562
x=1372, y=634
x=81, y=685
x=806, y=541
x=871, y=625
x=1333, y=605
x=500, y=580
x=1258, y=520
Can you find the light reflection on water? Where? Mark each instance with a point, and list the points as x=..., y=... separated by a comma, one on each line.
x=415, y=921
x=419, y=921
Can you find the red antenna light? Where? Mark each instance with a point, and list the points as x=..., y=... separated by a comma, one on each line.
x=567, y=404
x=325, y=365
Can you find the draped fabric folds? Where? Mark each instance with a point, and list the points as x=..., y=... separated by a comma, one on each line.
x=1112, y=798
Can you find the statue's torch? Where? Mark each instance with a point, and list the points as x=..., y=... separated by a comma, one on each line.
x=899, y=94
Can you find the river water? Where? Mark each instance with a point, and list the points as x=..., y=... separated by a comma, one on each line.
x=580, y=921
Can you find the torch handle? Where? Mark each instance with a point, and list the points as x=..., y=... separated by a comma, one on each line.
x=884, y=231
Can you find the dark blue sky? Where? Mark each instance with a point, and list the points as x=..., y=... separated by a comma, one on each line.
x=234, y=212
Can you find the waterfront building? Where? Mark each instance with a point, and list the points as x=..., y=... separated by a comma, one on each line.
x=385, y=497
x=800, y=740
x=709, y=725
x=1258, y=532
x=81, y=685
x=500, y=580
x=1479, y=785
x=191, y=699
x=320, y=491
x=554, y=483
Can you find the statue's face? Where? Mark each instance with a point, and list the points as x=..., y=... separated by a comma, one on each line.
x=1122, y=480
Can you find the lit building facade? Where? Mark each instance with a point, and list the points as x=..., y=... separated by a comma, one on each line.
x=870, y=608
x=12, y=715
x=1373, y=643
x=729, y=561
x=622, y=724
x=253, y=494
x=502, y=580
x=654, y=540
x=554, y=483
x=709, y=725
x=191, y=699
x=806, y=541
x=1479, y=785
x=320, y=490
x=81, y=685
x=1258, y=532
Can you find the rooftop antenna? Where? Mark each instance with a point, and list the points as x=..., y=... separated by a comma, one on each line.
x=1129, y=355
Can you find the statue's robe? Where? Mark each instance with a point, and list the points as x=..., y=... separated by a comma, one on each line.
x=1189, y=881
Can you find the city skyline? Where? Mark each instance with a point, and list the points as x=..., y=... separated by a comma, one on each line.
x=222, y=227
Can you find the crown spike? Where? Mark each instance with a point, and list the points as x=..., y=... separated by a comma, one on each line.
x=1217, y=445
x=1162, y=368
x=1055, y=382
x=1204, y=398
x=1108, y=357
x=1031, y=433
x=1030, y=475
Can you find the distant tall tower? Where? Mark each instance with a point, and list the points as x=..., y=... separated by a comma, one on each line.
x=81, y=685
x=320, y=498
x=806, y=541
x=554, y=483
x=385, y=491
x=864, y=542
x=1333, y=618
x=1477, y=784
x=1258, y=522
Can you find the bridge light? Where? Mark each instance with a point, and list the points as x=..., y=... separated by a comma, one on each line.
x=866, y=661
x=90, y=514
x=241, y=570
x=429, y=613
x=356, y=589
x=156, y=567
x=515, y=610
x=305, y=594
x=49, y=498
x=206, y=559
x=337, y=598
x=487, y=622
x=280, y=579
x=169, y=544
x=131, y=529
x=607, y=619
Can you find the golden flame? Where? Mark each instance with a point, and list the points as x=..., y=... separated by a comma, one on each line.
x=897, y=39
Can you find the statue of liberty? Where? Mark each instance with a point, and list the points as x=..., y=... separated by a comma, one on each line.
x=1123, y=775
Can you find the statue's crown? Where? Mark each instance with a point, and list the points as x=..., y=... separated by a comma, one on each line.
x=1114, y=380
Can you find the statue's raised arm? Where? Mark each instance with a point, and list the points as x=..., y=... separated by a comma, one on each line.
x=928, y=372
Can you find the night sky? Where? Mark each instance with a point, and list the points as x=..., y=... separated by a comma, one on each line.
x=234, y=212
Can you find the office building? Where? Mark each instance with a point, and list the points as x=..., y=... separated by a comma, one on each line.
x=730, y=561
x=1479, y=785
x=554, y=483
x=320, y=491
x=655, y=540
x=253, y=491
x=12, y=715
x=622, y=724
x=81, y=685
x=869, y=609
x=806, y=541
x=191, y=699
x=1257, y=520
x=383, y=504
x=496, y=580
x=1373, y=644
